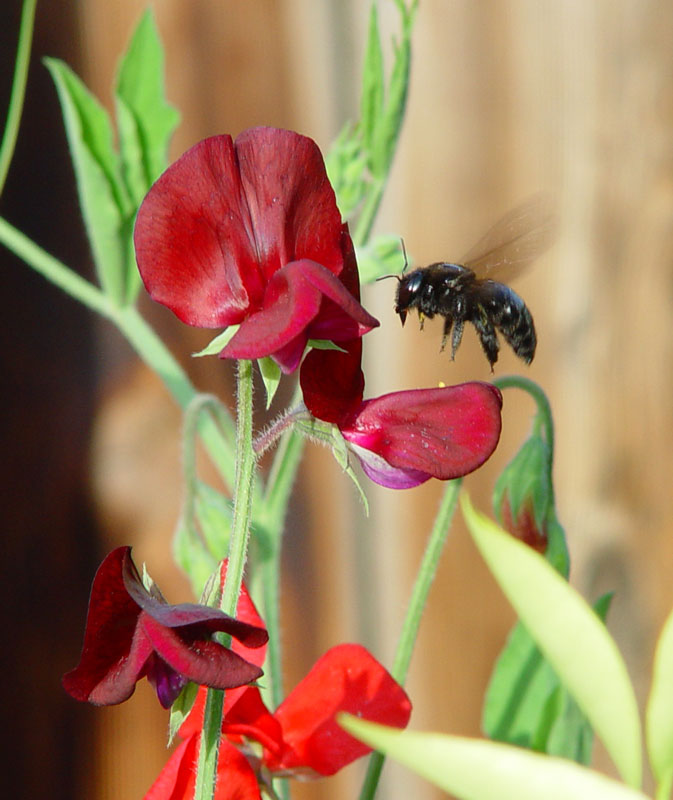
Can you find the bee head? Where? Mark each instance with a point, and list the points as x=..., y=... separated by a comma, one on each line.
x=407, y=292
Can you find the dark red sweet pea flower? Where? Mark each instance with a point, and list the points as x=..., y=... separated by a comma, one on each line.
x=301, y=738
x=132, y=633
x=404, y=438
x=248, y=233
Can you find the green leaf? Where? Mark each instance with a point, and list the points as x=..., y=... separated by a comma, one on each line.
x=325, y=344
x=659, y=714
x=570, y=635
x=146, y=120
x=346, y=169
x=471, y=769
x=214, y=513
x=373, y=82
x=271, y=376
x=390, y=121
x=104, y=201
x=181, y=708
x=217, y=344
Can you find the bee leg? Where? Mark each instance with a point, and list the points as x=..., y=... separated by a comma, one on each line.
x=456, y=337
x=487, y=337
x=421, y=318
x=448, y=324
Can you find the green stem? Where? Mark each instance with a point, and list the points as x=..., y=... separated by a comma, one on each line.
x=243, y=490
x=367, y=216
x=206, y=777
x=424, y=578
x=18, y=89
x=544, y=409
x=217, y=438
x=272, y=521
x=55, y=271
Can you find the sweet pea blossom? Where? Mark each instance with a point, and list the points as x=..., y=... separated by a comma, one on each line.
x=248, y=233
x=403, y=438
x=133, y=633
x=300, y=739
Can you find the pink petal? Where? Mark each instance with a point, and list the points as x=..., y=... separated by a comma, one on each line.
x=444, y=433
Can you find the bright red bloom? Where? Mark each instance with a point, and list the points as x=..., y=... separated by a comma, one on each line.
x=404, y=438
x=248, y=233
x=301, y=738
x=132, y=633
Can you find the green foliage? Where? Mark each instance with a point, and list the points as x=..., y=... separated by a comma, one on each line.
x=181, y=708
x=360, y=159
x=112, y=182
x=382, y=256
x=471, y=769
x=271, y=374
x=571, y=636
x=659, y=717
x=527, y=705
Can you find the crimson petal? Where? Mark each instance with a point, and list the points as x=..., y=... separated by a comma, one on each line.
x=226, y=216
x=303, y=299
x=443, y=433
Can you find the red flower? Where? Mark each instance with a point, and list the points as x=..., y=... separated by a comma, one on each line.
x=248, y=233
x=300, y=738
x=404, y=438
x=132, y=633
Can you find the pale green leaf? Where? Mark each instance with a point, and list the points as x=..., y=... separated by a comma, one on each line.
x=380, y=257
x=570, y=635
x=373, y=82
x=217, y=344
x=659, y=714
x=472, y=769
x=271, y=375
x=140, y=90
x=181, y=708
x=106, y=206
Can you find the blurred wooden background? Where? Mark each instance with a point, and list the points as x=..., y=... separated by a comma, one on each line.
x=506, y=98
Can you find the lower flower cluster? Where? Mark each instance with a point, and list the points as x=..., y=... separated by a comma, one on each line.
x=132, y=632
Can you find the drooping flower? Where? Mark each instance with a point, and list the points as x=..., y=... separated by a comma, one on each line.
x=403, y=438
x=133, y=633
x=248, y=233
x=301, y=738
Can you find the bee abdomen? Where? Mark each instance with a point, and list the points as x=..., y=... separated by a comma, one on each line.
x=512, y=318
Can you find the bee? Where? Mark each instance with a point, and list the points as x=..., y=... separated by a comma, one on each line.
x=467, y=292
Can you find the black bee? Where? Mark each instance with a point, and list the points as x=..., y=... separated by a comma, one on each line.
x=463, y=293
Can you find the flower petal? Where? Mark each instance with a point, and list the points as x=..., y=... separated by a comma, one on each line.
x=205, y=662
x=110, y=628
x=302, y=300
x=176, y=781
x=444, y=433
x=332, y=382
x=225, y=216
x=346, y=678
x=193, y=620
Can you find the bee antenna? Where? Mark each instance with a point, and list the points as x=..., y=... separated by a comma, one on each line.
x=404, y=250
x=406, y=264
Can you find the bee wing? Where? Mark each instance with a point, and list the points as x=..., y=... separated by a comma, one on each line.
x=514, y=241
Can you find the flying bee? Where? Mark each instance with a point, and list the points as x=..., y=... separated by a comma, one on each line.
x=467, y=292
